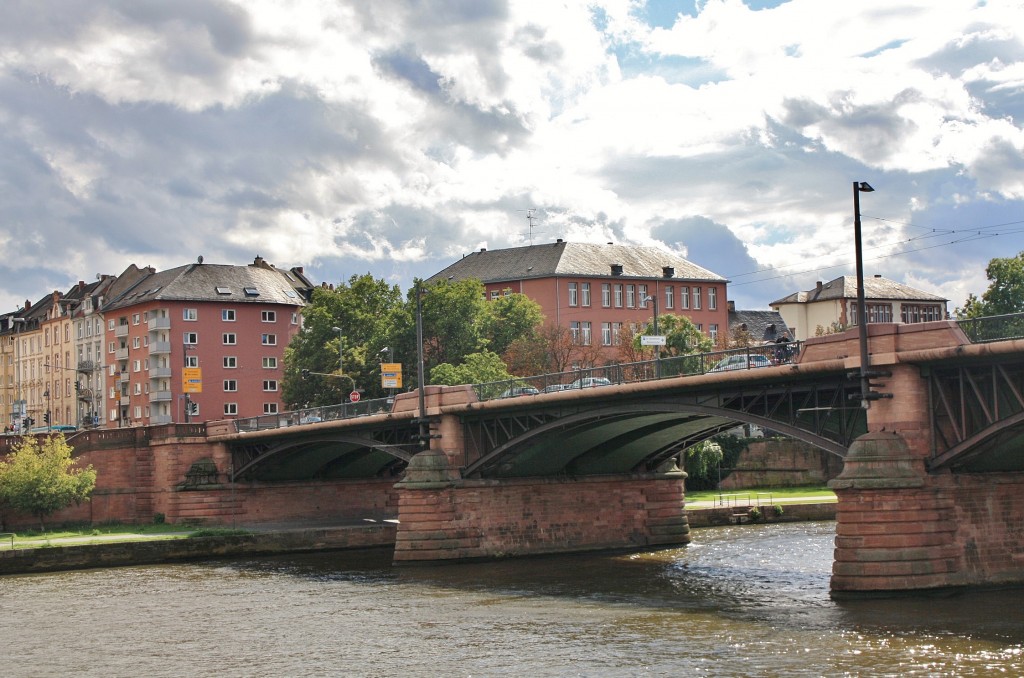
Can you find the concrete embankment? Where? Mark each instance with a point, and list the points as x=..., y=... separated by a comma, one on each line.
x=57, y=558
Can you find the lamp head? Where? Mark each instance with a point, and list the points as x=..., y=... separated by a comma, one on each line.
x=864, y=187
x=336, y=329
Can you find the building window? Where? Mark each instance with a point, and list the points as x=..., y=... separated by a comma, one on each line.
x=920, y=313
x=230, y=385
x=669, y=294
x=642, y=295
x=630, y=296
x=712, y=298
x=879, y=313
x=695, y=301
x=111, y=347
x=270, y=384
x=713, y=331
x=573, y=294
x=268, y=316
x=137, y=366
x=585, y=331
x=269, y=408
x=506, y=292
x=684, y=297
x=190, y=314
x=269, y=339
x=616, y=334
x=136, y=342
x=270, y=363
x=135, y=319
x=231, y=409
x=618, y=295
x=606, y=334
x=495, y=294
x=110, y=324
x=227, y=315
x=190, y=338
x=229, y=338
x=574, y=327
x=230, y=362
x=585, y=294
x=606, y=295
x=191, y=361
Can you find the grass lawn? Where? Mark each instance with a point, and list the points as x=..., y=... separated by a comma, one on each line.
x=98, y=534
x=789, y=493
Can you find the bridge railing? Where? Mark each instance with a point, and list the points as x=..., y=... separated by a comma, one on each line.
x=993, y=327
x=645, y=370
x=313, y=415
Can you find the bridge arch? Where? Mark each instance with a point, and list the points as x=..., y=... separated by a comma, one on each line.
x=622, y=438
x=333, y=455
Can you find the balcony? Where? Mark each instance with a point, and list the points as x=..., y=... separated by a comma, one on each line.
x=155, y=324
x=159, y=347
x=87, y=366
x=159, y=372
x=158, y=419
x=159, y=396
x=121, y=353
x=121, y=330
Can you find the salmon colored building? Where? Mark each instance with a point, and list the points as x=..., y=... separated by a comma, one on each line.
x=199, y=342
x=596, y=291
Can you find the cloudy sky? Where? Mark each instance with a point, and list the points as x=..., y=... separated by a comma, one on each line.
x=392, y=137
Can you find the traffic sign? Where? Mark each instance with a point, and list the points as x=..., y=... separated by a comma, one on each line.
x=354, y=396
x=652, y=340
x=192, y=380
x=391, y=375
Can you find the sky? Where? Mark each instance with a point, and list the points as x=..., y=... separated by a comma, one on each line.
x=394, y=137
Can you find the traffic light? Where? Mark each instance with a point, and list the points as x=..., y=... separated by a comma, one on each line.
x=193, y=408
x=305, y=374
x=78, y=387
x=46, y=417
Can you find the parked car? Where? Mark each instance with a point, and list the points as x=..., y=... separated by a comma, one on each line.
x=519, y=391
x=741, y=362
x=587, y=382
x=555, y=388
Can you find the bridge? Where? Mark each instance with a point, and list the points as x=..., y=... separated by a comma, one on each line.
x=930, y=495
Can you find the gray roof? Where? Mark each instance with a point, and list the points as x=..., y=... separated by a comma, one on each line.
x=570, y=258
x=845, y=287
x=211, y=282
x=763, y=326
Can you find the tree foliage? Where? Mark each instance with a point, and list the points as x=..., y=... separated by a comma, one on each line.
x=682, y=337
x=363, y=309
x=39, y=478
x=477, y=368
x=1005, y=293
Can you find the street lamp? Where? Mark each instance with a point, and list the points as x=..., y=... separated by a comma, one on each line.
x=862, y=316
x=19, y=404
x=341, y=348
x=424, y=434
x=657, y=347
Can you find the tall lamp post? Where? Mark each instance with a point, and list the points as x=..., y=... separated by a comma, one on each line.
x=657, y=347
x=424, y=431
x=19, y=404
x=341, y=359
x=862, y=316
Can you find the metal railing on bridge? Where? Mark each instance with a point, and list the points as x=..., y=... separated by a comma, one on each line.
x=313, y=415
x=749, y=358
x=993, y=327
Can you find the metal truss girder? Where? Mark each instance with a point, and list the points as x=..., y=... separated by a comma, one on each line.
x=971, y=404
x=246, y=458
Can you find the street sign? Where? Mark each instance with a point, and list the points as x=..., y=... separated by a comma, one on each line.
x=354, y=396
x=391, y=375
x=652, y=340
x=192, y=380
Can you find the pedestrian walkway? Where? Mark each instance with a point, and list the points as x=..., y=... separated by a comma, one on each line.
x=747, y=499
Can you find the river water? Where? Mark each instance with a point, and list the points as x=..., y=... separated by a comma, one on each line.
x=738, y=601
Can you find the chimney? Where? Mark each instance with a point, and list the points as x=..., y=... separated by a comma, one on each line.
x=731, y=306
x=878, y=275
x=818, y=285
x=668, y=272
x=483, y=249
x=558, y=241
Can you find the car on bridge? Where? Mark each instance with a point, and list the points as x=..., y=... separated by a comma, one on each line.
x=519, y=391
x=741, y=362
x=587, y=382
x=555, y=388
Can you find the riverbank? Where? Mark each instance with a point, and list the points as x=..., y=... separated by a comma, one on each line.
x=69, y=553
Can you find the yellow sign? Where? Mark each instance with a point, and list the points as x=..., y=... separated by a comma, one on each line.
x=391, y=375
x=192, y=380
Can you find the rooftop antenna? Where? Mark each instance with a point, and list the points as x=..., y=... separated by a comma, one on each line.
x=530, y=218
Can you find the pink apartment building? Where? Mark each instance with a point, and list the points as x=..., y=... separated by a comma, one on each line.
x=199, y=342
x=597, y=290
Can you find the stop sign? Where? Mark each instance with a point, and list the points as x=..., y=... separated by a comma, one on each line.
x=354, y=396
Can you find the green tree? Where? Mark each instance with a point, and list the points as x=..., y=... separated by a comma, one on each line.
x=362, y=309
x=477, y=368
x=38, y=478
x=1005, y=293
x=510, y=318
x=682, y=337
